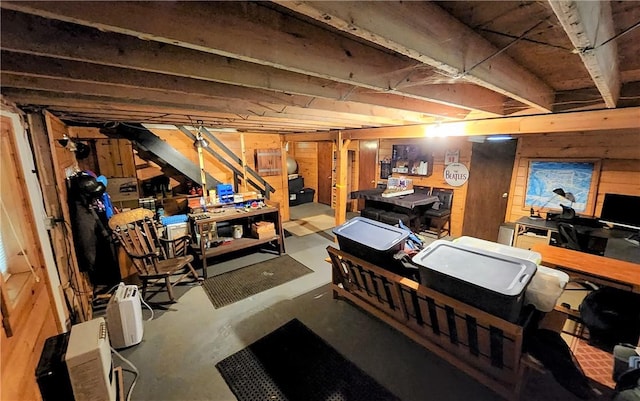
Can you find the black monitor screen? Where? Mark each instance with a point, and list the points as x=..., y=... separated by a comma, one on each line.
x=622, y=210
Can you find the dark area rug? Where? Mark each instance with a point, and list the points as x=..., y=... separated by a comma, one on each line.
x=293, y=363
x=236, y=285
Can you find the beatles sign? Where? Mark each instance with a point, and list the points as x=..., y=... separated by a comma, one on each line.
x=456, y=174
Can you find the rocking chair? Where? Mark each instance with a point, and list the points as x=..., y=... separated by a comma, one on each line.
x=156, y=259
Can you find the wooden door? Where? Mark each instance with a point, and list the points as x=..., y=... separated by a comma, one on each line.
x=325, y=172
x=115, y=158
x=368, y=155
x=488, y=188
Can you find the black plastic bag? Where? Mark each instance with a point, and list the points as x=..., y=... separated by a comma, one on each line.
x=549, y=348
x=612, y=317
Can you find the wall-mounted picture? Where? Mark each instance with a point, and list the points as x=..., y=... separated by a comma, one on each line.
x=551, y=183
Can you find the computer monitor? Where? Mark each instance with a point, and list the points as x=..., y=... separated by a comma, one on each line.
x=622, y=211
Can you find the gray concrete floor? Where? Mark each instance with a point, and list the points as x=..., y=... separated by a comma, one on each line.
x=181, y=346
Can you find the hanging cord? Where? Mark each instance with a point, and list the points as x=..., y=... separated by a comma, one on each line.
x=134, y=370
x=22, y=250
x=465, y=73
x=631, y=28
x=147, y=305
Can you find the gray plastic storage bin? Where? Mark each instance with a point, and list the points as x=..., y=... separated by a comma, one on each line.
x=371, y=240
x=488, y=280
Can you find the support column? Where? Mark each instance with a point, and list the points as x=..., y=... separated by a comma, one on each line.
x=341, y=178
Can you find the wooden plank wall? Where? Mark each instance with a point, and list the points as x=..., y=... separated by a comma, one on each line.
x=30, y=316
x=21, y=352
x=436, y=180
x=306, y=155
x=619, y=152
x=184, y=145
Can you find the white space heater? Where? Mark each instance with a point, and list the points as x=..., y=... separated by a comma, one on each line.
x=88, y=360
x=124, y=317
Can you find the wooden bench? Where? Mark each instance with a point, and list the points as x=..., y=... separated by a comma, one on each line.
x=482, y=345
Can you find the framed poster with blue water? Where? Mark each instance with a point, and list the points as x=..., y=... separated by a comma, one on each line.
x=572, y=183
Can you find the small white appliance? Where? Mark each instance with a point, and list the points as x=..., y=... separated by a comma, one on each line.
x=88, y=360
x=175, y=231
x=124, y=317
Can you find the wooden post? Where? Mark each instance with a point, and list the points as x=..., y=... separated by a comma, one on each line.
x=341, y=179
x=243, y=156
x=203, y=174
x=285, y=213
x=75, y=284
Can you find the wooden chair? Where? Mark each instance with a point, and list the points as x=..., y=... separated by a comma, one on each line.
x=440, y=219
x=137, y=234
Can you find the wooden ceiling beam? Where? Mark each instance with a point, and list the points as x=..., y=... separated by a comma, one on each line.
x=253, y=33
x=597, y=120
x=25, y=34
x=311, y=137
x=235, y=106
x=425, y=32
x=74, y=71
x=95, y=115
x=131, y=112
x=44, y=98
x=589, y=24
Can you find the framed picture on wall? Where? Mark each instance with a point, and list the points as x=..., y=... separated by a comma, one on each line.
x=576, y=177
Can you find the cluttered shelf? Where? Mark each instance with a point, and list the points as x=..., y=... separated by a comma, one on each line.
x=247, y=227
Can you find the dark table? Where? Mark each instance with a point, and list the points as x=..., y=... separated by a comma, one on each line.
x=412, y=205
x=410, y=201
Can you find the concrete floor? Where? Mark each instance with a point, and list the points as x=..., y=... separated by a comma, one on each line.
x=181, y=346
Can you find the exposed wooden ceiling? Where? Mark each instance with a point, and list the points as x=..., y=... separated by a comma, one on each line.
x=317, y=66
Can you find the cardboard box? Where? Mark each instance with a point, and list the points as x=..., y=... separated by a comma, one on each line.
x=263, y=229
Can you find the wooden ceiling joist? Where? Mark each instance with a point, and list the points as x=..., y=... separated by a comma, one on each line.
x=56, y=99
x=425, y=32
x=589, y=25
x=228, y=105
x=73, y=71
x=254, y=34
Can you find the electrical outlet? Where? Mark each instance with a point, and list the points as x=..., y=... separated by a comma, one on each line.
x=49, y=222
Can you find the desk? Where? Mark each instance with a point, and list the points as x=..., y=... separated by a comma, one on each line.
x=245, y=218
x=610, y=242
x=598, y=269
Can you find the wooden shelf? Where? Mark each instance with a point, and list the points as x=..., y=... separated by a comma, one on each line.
x=270, y=213
x=236, y=245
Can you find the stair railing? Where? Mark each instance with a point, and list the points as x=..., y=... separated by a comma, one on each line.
x=262, y=185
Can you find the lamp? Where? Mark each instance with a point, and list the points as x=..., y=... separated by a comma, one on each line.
x=64, y=141
x=557, y=192
x=200, y=141
x=567, y=211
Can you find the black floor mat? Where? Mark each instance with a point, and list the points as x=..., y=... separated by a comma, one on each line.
x=293, y=363
x=236, y=285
